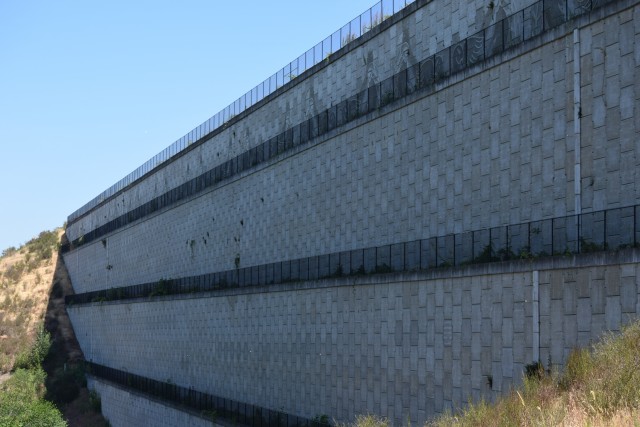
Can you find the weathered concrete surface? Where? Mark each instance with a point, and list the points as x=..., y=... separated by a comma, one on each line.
x=397, y=345
x=125, y=408
x=491, y=148
x=494, y=145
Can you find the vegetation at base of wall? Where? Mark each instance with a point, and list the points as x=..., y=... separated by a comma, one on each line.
x=95, y=401
x=22, y=396
x=369, y=421
x=66, y=387
x=600, y=386
x=22, y=401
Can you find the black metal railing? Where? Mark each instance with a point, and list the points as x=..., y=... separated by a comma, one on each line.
x=612, y=229
x=506, y=34
x=503, y=35
x=352, y=30
x=207, y=405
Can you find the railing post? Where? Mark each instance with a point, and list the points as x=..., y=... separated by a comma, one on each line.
x=406, y=80
x=404, y=256
x=604, y=230
x=436, y=251
x=473, y=246
x=490, y=244
x=375, y=264
x=503, y=31
x=484, y=44
x=579, y=232
x=552, y=229
x=507, y=248
x=454, y=249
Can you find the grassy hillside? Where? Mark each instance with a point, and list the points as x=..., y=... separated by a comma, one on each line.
x=40, y=359
x=26, y=278
x=22, y=402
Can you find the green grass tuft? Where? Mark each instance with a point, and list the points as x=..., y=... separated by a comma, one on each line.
x=22, y=403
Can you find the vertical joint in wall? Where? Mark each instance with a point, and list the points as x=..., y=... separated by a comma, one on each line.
x=577, y=117
x=535, y=302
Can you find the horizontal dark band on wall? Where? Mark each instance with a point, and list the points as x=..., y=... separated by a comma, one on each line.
x=421, y=76
x=207, y=405
x=589, y=232
x=390, y=21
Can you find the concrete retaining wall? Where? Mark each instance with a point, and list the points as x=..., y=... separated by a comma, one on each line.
x=125, y=408
x=395, y=345
x=493, y=146
x=546, y=129
x=405, y=39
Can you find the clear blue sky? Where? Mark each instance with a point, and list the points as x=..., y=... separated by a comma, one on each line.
x=91, y=90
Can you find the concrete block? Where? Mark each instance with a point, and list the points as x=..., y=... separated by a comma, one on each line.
x=544, y=299
x=507, y=332
x=628, y=292
x=569, y=298
x=584, y=340
x=598, y=296
x=476, y=318
x=519, y=317
x=519, y=347
x=583, y=283
x=557, y=317
x=556, y=352
x=496, y=317
x=584, y=315
x=556, y=286
x=613, y=313
x=612, y=282
x=507, y=362
x=496, y=376
x=570, y=330
x=545, y=331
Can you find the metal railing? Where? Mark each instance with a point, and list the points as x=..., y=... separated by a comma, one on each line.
x=514, y=29
x=360, y=25
x=611, y=229
x=207, y=405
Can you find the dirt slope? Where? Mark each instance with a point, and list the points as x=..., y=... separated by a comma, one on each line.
x=26, y=279
x=33, y=284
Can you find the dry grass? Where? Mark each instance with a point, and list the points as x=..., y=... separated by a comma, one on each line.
x=33, y=284
x=599, y=387
x=368, y=421
x=26, y=276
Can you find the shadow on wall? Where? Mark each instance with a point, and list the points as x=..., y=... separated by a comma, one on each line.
x=64, y=364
